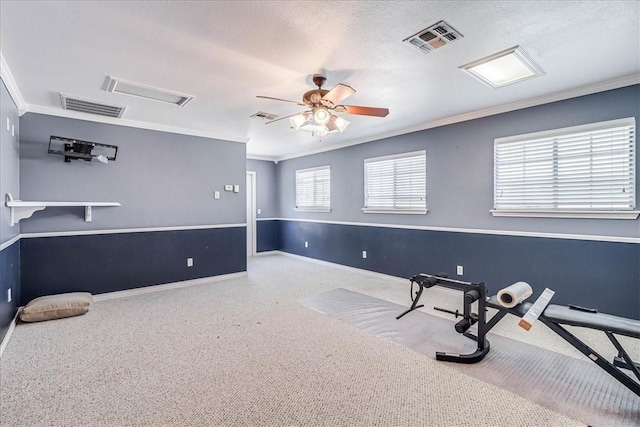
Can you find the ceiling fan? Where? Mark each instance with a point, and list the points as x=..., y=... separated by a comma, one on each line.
x=318, y=119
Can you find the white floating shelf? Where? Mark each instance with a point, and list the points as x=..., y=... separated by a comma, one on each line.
x=21, y=210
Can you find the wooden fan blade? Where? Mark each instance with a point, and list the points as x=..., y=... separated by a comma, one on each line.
x=279, y=99
x=284, y=117
x=366, y=111
x=338, y=93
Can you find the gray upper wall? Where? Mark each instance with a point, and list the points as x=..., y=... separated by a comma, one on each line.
x=161, y=179
x=267, y=193
x=9, y=162
x=460, y=169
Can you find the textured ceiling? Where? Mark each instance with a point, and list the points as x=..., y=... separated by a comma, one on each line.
x=226, y=53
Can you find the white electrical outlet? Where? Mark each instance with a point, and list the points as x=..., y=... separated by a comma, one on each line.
x=9, y=295
x=236, y=188
x=459, y=270
x=259, y=211
x=306, y=244
x=13, y=130
x=216, y=194
x=8, y=124
x=364, y=254
x=189, y=262
x=228, y=187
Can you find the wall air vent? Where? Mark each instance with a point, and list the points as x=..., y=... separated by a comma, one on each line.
x=147, y=92
x=90, y=107
x=434, y=37
x=265, y=116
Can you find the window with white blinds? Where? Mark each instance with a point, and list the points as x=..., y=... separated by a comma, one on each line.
x=313, y=189
x=588, y=171
x=396, y=184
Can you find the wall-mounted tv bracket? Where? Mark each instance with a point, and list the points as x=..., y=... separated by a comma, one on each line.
x=75, y=149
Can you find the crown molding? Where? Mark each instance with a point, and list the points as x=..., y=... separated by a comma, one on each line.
x=12, y=87
x=264, y=158
x=59, y=112
x=617, y=83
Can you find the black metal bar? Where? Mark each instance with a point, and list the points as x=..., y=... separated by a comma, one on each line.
x=409, y=310
x=482, y=332
x=495, y=319
x=414, y=305
x=621, y=363
x=631, y=365
x=444, y=310
x=594, y=356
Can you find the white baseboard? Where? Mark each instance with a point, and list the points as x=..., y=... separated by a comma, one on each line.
x=404, y=281
x=167, y=286
x=7, y=336
x=265, y=253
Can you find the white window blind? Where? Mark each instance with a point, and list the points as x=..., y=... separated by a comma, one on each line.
x=396, y=183
x=313, y=189
x=587, y=168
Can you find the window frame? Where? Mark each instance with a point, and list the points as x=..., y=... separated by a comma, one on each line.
x=395, y=210
x=315, y=208
x=587, y=213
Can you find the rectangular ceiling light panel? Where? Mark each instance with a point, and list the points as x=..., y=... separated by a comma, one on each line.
x=148, y=92
x=504, y=68
x=90, y=107
x=433, y=37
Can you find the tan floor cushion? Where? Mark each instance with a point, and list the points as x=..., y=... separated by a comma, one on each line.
x=56, y=306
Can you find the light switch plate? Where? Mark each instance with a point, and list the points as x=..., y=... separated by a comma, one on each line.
x=228, y=187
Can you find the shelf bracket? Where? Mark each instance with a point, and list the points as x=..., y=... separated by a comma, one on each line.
x=22, y=212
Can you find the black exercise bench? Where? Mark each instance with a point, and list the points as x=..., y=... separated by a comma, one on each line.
x=554, y=316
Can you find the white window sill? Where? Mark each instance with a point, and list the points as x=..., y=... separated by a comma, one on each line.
x=395, y=211
x=313, y=210
x=568, y=214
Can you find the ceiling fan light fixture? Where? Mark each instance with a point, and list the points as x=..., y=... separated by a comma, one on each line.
x=319, y=119
x=315, y=130
x=319, y=131
x=340, y=123
x=298, y=120
x=321, y=115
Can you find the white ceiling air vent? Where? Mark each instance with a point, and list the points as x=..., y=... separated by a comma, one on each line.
x=264, y=116
x=434, y=37
x=84, y=106
x=116, y=85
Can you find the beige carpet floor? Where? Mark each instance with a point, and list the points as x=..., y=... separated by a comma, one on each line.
x=242, y=352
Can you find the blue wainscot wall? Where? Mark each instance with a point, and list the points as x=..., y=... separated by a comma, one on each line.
x=9, y=279
x=102, y=263
x=268, y=235
x=602, y=275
